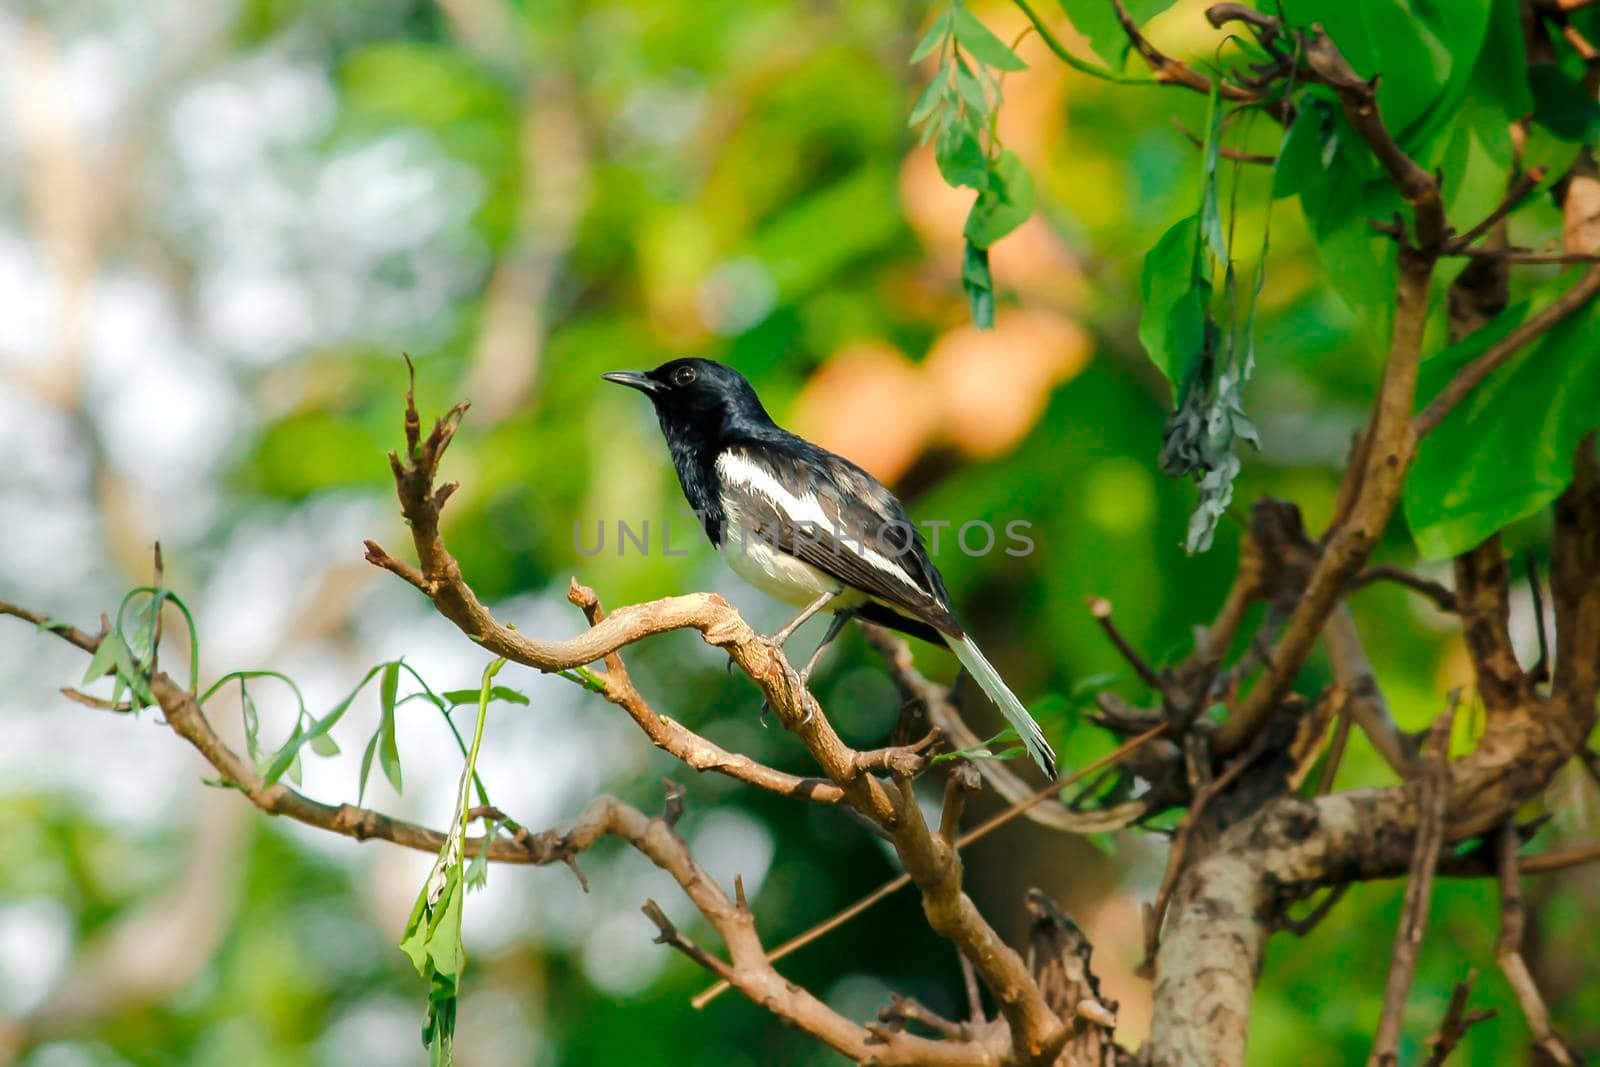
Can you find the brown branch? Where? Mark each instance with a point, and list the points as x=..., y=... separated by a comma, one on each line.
x=1205, y=791
x=1060, y=955
x=1434, y=790
x=1308, y=922
x=1367, y=706
x=1373, y=482
x=1559, y=859
x=439, y=578
x=1443, y=598
x=899, y=761
x=1524, y=255
x=1483, y=584
x=1225, y=152
x=947, y=718
x=1100, y=608
x=1508, y=951
x=931, y=863
x=969, y=982
x=77, y=696
x=1457, y=1021
x=1358, y=96
x=750, y=971
x=72, y=635
x=1575, y=592
x=963, y=780
x=668, y=934
x=678, y=740
x=1492, y=358
x=902, y=1010
x=1521, y=186
x=1336, y=751
x=1215, y=936
x=978, y=832
x=1168, y=70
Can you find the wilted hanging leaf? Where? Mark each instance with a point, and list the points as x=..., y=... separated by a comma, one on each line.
x=432, y=938
x=1207, y=364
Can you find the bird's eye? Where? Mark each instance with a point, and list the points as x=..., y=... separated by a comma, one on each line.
x=683, y=376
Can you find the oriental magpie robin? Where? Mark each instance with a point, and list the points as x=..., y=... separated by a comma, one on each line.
x=805, y=525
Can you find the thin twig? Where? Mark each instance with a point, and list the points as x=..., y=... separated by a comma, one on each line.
x=1442, y=596
x=1433, y=797
x=1456, y=1022
x=1525, y=255
x=1336, y=750
x=1303, y=926
x=1235, y=154
x=1508, y=951
x=1472, y=375
x=1520, y=188
x=1207, y=789
x=969, y=979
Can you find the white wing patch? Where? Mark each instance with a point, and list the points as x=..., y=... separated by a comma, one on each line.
x=802, y=510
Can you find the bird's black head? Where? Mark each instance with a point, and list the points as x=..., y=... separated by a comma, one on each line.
x=697, y=396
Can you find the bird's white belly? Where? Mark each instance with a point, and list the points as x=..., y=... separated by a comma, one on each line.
x=775, y=573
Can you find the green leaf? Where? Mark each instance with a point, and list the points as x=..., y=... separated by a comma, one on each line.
x=1172, y=328
x=960, y=157
x=970, y=89
x=1003, y=205
x=1562, y=105
x=1528, y=416
x=979, y=285
x=983, y=45
x=478, y=870
x=366, y=764
x=432, y=939
x=1300, y=158
x=984, y=749
x=324, y=745
x=933, y=38
x=939, y=93
x=105, y=658
x=388, y=743
x=1425, y=50
x=457, y=697
x=290, y=752
x=1097, y=21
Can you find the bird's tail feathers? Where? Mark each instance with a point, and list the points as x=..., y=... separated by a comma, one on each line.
x=989, y=680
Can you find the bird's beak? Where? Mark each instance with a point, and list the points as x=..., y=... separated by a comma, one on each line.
x=633, y=380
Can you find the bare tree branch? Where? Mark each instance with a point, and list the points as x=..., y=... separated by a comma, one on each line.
x=1367, y=707
x=1443, y=598
x=1457, y=1021
x=1434, y=791
x=1508, y=952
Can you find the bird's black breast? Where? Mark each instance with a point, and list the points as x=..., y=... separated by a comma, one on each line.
x=694, y=458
